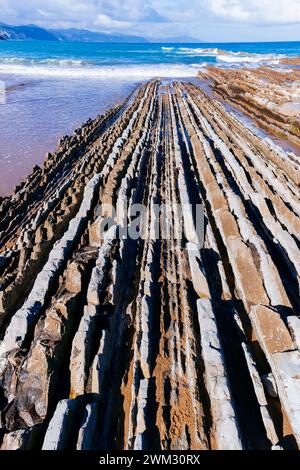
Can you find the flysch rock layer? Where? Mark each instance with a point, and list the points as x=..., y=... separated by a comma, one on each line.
x=270, y=96
x=176, y=338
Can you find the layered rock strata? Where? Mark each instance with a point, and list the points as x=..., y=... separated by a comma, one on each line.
x=151, y=342
x=271, y=97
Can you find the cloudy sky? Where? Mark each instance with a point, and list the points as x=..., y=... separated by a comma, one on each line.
x=209, y=20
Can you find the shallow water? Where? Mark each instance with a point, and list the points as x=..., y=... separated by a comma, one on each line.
x=53, y=88
x=38, y=112
x=249, y=122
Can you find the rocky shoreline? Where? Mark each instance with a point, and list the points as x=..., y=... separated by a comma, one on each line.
x=154, y=344
x=291, y=61
x=269, y=96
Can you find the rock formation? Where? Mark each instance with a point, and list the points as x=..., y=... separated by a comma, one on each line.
x=269, y=96
x=150, y=342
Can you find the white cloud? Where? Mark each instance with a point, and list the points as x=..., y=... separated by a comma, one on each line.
x=112, y=13
x=155, y=17
x=257, y=11
x=233, y=9
x=106, y=22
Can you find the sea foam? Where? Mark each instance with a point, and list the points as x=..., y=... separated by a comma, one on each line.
x=131, y=72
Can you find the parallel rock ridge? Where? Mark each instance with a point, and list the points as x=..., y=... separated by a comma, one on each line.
x=153, y=343
x=269, y=96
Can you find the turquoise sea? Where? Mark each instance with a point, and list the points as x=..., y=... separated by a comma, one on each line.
x=97, y=60
x=52, y=87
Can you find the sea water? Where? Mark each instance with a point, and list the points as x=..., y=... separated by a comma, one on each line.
x=53, y=87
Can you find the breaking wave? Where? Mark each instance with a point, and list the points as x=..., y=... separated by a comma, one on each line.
x=229, y=57
x=54, y=62
x=97, y=72
x=248, y=58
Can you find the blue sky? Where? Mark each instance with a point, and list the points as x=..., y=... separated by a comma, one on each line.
x=209, y=20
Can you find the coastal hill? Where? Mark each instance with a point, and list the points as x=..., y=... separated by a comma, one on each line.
x=33, y=32
x=84, y=35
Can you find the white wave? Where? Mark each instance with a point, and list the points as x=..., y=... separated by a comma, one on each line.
x=194, y=51
x=250, y=60
x=200, y=51
x=64, y=62
x=229, y=56
x=245, y=58
x=201, y=65
x=57, y=62
x=167, y=48
x=15, y=60
x=124, y=72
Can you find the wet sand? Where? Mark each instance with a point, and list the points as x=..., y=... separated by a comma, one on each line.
x=39, y=112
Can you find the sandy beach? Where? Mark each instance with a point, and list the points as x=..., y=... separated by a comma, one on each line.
x=39, y=111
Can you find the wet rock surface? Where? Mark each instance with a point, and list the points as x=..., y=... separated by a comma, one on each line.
x=270, y=96
x=153, y=343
